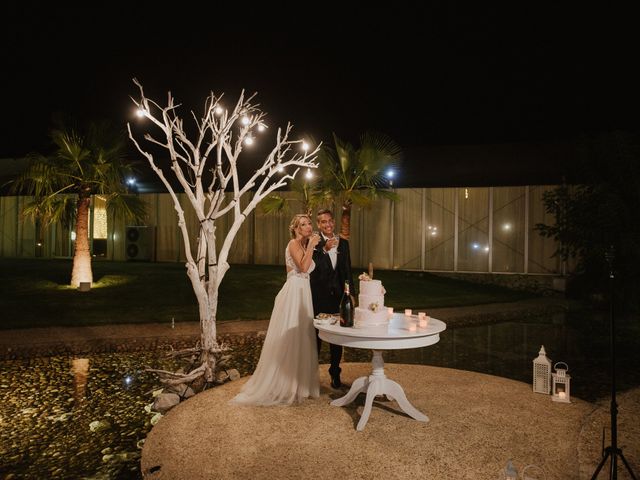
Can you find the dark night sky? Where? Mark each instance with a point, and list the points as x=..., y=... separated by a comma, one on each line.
x=424, y=75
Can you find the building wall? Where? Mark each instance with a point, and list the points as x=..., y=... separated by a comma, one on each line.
x=489, y=230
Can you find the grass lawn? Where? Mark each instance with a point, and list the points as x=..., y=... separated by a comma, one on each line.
x=35, y=293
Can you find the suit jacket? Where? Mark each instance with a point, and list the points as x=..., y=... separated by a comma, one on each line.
x=327, y=283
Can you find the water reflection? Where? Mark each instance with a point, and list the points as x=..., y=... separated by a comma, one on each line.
x=508, y=349
x=80, y=370
x=49, y=403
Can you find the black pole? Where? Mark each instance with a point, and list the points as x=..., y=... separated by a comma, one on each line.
x=612, y=451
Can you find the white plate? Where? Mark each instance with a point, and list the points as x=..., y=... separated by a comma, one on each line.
x=325, y=321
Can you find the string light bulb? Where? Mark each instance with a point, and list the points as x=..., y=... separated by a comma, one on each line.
x=245, y=120
x=218, y=110
x=305, y=147
x=248, y=141
x=309, y=174
x=141, y=112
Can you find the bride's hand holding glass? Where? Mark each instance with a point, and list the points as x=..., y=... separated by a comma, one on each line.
x=314, y=239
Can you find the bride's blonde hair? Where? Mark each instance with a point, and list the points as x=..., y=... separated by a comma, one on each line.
x=295, y=223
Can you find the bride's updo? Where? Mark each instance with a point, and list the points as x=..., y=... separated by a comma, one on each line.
x=295, y=223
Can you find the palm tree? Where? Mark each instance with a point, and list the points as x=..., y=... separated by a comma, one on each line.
x=62, y=185
x=350, y=175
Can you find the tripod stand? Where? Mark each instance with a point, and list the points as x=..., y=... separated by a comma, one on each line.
x=612, y=450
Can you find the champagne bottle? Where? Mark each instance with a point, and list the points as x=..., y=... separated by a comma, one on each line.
x=346, y=308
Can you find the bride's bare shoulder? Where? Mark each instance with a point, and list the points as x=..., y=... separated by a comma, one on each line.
x=294, y=245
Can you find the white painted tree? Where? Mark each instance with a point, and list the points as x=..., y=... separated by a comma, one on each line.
x=206, y=168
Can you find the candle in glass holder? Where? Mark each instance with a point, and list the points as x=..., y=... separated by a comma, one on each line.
x=390, y=311
x=407, y=312
x=412, y=327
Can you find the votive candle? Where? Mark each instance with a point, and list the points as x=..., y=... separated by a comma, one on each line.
x=423, y=322
x=407, y=312
x=412, y=327
x=390, y=310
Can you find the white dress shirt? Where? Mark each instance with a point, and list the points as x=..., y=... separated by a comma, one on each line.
x=333, y=253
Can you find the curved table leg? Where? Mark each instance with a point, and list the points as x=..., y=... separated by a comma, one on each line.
x=378, y=384
x=375, y=388
x=397, y=392
x=359, y=385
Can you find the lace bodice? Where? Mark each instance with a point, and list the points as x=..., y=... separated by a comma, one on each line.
x=292, y=269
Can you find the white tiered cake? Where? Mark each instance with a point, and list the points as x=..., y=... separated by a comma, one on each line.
x=370, y=311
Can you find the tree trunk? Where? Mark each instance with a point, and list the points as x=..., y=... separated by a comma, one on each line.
x=345, y=220
x=81, y=256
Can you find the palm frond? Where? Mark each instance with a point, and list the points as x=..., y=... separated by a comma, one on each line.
x=273, y=204
x=130, y=207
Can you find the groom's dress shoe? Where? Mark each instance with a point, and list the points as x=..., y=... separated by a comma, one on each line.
x=335, y=381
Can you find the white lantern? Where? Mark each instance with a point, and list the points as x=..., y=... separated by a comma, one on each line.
x=561, y=384
x=542, y=373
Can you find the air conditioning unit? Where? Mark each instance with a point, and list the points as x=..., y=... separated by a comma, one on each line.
x=139, y=243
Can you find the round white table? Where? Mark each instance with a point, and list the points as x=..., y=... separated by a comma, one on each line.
x=397, y=335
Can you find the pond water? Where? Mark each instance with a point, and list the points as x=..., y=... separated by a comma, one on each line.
x=64, y=417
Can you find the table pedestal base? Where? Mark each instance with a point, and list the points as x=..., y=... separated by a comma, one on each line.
x=378, y=384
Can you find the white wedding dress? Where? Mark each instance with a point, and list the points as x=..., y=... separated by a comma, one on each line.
x=287, y=371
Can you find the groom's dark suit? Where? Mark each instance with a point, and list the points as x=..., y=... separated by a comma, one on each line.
x=327, y=286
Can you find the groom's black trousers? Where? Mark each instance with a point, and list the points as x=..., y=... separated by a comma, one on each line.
x=336, y=355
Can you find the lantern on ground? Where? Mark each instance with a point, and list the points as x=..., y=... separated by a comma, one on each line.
x=561, y=382
x=542, y=373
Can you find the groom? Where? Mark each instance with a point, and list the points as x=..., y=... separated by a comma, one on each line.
x=333, y=268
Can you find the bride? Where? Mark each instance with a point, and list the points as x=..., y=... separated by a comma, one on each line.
x=287, y=371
